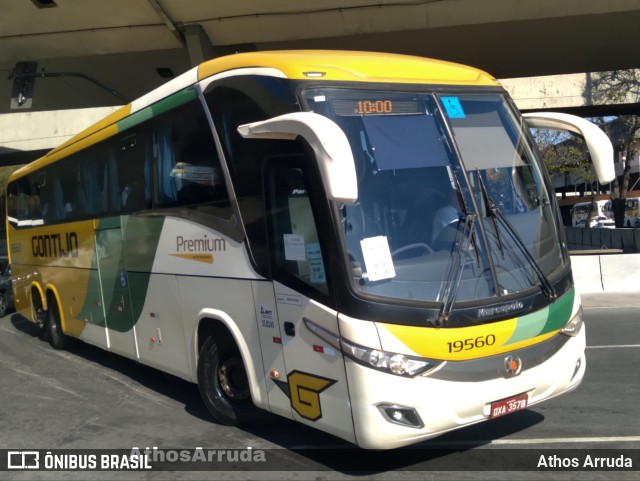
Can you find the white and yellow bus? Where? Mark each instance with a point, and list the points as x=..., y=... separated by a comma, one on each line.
x=365, y=243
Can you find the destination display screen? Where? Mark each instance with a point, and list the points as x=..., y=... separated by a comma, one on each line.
x=380, y=106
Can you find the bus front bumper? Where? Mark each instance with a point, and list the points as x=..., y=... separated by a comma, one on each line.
x=392, y=411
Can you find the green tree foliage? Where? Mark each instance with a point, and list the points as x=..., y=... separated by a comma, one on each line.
x=618, y=87
x=563, y=153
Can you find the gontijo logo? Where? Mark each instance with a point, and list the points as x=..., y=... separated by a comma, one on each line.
x=199, y=249
x=55, y=245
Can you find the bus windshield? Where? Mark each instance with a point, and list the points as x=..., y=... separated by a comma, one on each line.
x=452, y=202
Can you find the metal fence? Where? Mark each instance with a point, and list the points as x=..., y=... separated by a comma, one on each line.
x=626, y=240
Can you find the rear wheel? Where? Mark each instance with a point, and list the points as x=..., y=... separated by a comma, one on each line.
x=3, y=304
x=223, y=383
x=58, y=339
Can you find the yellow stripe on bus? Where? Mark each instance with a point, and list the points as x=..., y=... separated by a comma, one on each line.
x=459, y=344
x=96, y=133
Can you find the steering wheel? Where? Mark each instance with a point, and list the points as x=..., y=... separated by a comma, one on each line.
x=416, y=245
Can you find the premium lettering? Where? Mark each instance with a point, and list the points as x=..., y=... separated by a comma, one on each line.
x=55, y=245
x=200, y=245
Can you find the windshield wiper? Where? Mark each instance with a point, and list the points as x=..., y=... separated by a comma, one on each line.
x=494, y=211
x=456, y=267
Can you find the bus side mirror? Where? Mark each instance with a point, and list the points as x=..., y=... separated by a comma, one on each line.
x=599, y=145
x=329, y=143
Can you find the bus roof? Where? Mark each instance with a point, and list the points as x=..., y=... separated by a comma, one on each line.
x=330, y=65
x=342, y=65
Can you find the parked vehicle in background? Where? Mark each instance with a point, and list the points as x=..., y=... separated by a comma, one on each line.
x=632, y=212
x=6, y=291
x=599, y=209
x=605, y=223
x=607, y=209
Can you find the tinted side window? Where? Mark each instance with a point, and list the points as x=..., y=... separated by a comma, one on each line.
x=168, y=161
x=239, y=100
x=187, y=167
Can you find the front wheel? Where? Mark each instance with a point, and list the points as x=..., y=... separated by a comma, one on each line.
x=223, y=383
x=41, y=317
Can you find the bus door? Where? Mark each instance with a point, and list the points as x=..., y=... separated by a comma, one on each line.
x=313, y=384
x=114, y=287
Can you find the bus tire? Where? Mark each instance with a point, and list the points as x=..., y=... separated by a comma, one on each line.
x=4, y=303
x=57, y=338
x=223, y=383
x=40, y=316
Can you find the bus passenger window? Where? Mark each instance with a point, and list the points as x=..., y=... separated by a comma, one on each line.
x=195, y=178
x=130, y=169
x=187, y=167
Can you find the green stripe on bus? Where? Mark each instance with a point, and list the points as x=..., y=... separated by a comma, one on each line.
x=141, y=251
x=129, y=244
x=529, y=326
x=157, y=108
x=135, y=119
x=551, y=318
x=560, y=312
x=173, y=101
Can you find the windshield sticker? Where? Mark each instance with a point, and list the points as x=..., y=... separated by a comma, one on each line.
x=294, y=247
x=377, y=258
x=316, y=266
x=453, y=107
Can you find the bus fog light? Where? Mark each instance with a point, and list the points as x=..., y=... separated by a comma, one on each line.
x=404, y=416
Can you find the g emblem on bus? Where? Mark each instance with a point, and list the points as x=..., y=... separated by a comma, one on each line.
x=303, y=390
x=512, y=365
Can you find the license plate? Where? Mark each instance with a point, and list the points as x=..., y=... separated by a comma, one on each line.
x=509, y=405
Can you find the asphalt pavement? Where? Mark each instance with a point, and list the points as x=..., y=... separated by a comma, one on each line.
x=90, y=399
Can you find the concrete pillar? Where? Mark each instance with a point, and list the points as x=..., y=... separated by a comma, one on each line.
x=199, y=45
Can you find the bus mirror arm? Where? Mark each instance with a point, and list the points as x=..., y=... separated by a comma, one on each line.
x=598, y=143
x=329, y=143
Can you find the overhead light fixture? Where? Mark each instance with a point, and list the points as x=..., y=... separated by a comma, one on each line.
x=44, y=3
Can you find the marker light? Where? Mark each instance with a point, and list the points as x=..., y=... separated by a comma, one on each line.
x=572, y=328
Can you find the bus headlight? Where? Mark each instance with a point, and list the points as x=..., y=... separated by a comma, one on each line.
x=390, y=362
x=572, y=328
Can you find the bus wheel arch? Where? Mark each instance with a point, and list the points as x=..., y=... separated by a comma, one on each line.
x=222, y=375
